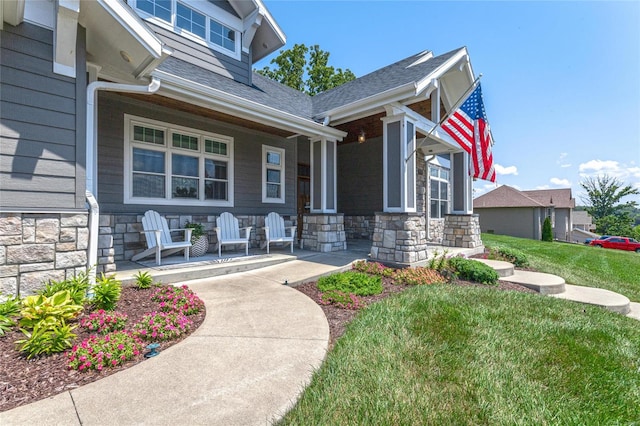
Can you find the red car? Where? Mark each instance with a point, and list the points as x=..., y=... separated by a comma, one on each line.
x=620, y=243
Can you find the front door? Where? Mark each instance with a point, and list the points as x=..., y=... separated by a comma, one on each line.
x=304, y=193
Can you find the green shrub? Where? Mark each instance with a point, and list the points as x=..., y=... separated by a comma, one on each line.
x=341, y=299
x=143, y=280
x=6, y=324
x=473, y=270
x=106, y=292
x=76, y=286
x=514, y=256
x=41, y=311
x=418, y=276
x=547, y=232
x=351, y=282
x=439, y=262
x=10, y=307
x=46, y=339
x=372, y=268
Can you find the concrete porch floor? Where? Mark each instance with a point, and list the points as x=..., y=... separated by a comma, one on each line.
x=175, y=270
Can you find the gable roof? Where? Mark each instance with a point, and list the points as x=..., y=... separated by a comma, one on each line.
x=408, y=71
x=507, y=196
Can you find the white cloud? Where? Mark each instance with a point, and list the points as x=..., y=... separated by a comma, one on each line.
x=510, y=170
x=599, y=166
x=561, y=160
x=564, y=166
x=627, y=174
x=543, y=187
x=560, y=182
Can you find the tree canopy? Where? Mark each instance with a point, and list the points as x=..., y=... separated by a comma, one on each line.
x=306, y=69
x=603, y=203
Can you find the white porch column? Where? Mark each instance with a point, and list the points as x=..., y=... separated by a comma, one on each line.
x=399, y=164
x=323, y=176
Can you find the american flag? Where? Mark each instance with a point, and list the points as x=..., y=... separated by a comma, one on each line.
x=469, y=127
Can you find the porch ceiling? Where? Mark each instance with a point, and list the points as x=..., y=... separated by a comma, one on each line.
x=178, y=105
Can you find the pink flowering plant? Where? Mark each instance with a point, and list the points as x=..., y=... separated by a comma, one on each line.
x=341, y=299
x=372, y=268
x=158, y=326
x=99, y=352
x=104, y=322
x=178, y=299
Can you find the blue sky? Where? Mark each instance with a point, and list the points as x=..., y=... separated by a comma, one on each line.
x=561, y=80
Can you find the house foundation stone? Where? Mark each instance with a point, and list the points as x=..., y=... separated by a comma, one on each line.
x=462, y=230
x=399, y=239
x=323, y=232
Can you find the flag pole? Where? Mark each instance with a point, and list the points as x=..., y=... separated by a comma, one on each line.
x=453, y=109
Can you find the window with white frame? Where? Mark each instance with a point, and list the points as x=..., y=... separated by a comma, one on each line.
x=272, y=174
x=439, y=174
x=168, y=164
x=195, y=20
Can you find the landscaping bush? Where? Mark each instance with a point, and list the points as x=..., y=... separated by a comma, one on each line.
x=514, y=256
x=158, y=326
x=418, y=276
x=372, y=268
x=351, y=282
x=178, y=299
x=106, y=292
x=76, y=286
x=98, y=352
x=104, y=322
x=341, y=299
x=473, y=270
x=46, y=339
x=9, y=310
x=547, y=232
x=144, y=280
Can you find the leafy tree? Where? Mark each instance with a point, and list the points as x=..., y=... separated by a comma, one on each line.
x=306, y=69
x=603, y=204
x=547, y=232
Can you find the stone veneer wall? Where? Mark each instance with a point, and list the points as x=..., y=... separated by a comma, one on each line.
x=399, y=238
x=462, y=230
x=436, y=231
x=323, y=232
x=121, y=235
x=359, y=227
x=38, y=247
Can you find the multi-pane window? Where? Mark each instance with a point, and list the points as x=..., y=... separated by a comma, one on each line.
x=439, y=191
x=182, y=17
x=169, y=163
x=272, y=174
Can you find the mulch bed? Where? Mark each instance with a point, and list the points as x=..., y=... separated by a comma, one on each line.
x=24, y=381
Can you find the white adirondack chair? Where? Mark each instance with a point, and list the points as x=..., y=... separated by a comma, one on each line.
x=159, y=240
x=228, y=232
x=276, y=232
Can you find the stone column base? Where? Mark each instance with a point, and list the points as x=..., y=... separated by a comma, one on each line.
x=462, y=230
x=323, y=232
x=399, y=239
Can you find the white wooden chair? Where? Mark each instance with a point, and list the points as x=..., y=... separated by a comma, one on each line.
x=159, y=240
x=228, y=232
x=276, y=232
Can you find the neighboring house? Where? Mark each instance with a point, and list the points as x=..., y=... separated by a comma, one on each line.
x=113, y=107
x=508, y=211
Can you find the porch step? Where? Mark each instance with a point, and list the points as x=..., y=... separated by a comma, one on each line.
x=538, y=281
x=596, y=296
x=504, y=269
x=177, y=273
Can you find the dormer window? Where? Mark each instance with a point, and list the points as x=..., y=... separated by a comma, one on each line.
x=194, y=19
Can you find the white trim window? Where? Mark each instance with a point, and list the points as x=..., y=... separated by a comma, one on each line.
x=439, y=190
x=168, y=164
x=197, y=20
x=272, y=174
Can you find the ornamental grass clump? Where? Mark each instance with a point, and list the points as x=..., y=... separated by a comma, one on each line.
x=104, y=322
x=98, y=352
x=372, y=268
x=418, y=276
x=178, y=299
x=159, y=326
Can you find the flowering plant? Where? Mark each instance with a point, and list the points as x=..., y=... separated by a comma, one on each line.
x=372, y=268
x=162, y=326
x=104, y=322
x=98, y=352
x=178, y=299
x=341, y=299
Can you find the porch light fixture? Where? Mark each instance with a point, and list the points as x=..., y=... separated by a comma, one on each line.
x=125, y=56
x=362, y=137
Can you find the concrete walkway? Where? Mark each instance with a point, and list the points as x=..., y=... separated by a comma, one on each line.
x=246, y=364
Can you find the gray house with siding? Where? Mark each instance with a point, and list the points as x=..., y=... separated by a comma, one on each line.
x=509, y=211
x=111, y=107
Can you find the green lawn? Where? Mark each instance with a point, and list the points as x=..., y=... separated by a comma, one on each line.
x=445, y=354
x=579, y=264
